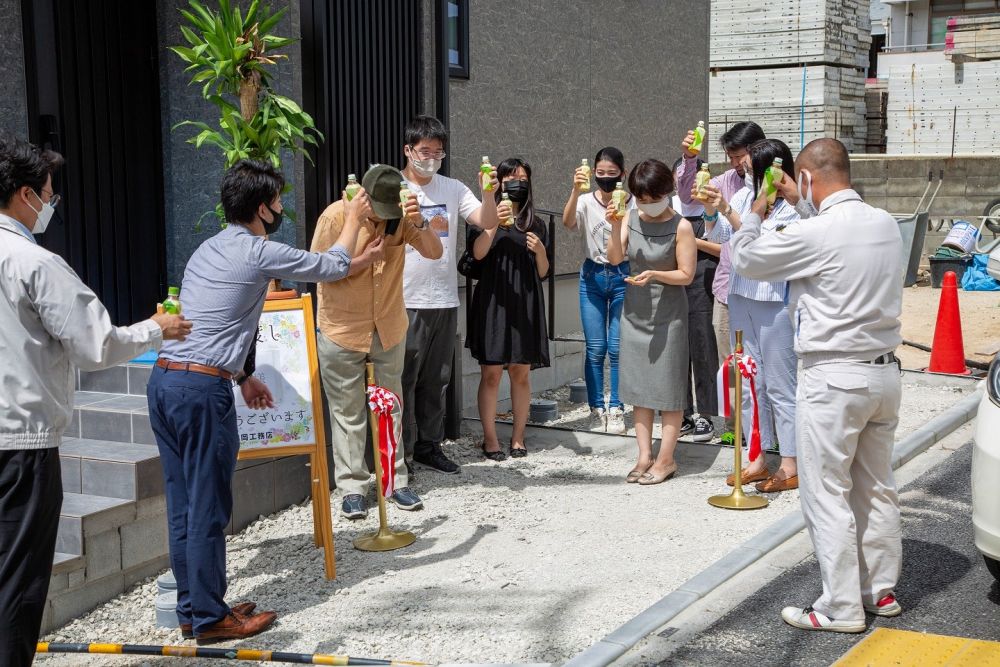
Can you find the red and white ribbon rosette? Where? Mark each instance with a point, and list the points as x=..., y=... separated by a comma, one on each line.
x=748, y=369
x=382, y=402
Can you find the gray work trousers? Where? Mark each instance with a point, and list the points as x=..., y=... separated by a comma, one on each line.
x=847, y=416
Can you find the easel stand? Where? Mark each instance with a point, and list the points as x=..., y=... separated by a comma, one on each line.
x=385, y=539
x=737, y=500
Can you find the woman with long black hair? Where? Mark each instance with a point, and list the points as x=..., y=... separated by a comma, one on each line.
x=507, y=326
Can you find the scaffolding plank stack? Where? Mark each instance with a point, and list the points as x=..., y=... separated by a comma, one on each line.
x=939, y=110
x=972, y=38
x=762, y=54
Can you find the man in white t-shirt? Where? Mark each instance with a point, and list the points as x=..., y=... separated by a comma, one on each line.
x=430, y=290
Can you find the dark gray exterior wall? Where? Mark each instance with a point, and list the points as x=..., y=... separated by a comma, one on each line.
x=554, y=81
x=13, y=102
x=191, y=176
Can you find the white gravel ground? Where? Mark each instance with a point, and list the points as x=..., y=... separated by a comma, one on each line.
x=528, y=560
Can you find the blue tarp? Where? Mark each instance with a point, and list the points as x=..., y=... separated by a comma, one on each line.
x=976, y=279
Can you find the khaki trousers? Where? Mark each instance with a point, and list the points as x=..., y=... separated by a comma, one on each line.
x=846, y=416
x=343, y=373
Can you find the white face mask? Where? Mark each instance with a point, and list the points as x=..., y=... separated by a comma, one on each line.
x=655, y=208
x=44, y=215
x=425, y=168
x=806, y=195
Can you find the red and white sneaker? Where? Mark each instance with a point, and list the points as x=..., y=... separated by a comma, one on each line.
x=810, y=619
x=887, y=606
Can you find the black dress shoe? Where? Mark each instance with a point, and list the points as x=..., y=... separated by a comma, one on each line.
x=434, y=458
x=494, y=456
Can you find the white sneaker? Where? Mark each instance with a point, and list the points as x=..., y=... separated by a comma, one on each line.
x=887, y=606
x=616, y=421
x=598, y=420
x=810, y=619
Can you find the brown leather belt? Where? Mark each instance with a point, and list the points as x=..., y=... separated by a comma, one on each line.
x=194, y=368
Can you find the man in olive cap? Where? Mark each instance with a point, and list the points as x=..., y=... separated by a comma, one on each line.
x=362, y=317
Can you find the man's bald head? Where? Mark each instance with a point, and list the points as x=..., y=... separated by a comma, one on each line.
x=826, y=159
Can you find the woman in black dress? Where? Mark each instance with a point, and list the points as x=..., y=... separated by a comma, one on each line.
x=507, y=326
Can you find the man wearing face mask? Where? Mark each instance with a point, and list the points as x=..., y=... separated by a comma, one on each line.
x=191, y=404
x=847, y=298
x=362, y=317
x=52, y=324
x=430, y=291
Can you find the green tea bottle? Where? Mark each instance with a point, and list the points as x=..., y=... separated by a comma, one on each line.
x=509, y=221
x=485, y=168
x=172, y=304
x=404, y=193
x=703, y=178
x=585, y=187
x=699, y=137
x=619, y=197
x=352, y=186
x=771, y=176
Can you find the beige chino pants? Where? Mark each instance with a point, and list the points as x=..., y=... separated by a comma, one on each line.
x=343, y=373
x=846, y=421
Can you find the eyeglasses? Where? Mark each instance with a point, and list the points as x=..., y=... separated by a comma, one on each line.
x=54, y=199
x=428, y=155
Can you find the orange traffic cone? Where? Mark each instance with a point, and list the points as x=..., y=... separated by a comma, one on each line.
x=948, y=351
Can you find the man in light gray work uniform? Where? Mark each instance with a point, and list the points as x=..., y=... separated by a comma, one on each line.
x=846, y=297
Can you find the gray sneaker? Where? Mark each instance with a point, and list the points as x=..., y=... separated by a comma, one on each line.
x=406, y=499
x=598, y=420
x=703, y=431
x=354, y=507
x=616, y=421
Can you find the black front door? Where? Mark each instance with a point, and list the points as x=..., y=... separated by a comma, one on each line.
x=93, y=94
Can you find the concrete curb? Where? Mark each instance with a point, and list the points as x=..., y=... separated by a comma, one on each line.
x=616, y=644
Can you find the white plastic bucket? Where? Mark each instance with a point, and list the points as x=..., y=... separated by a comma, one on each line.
x=962, y=236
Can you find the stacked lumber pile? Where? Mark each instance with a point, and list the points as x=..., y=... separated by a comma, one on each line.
x=929, y=106
x=761, y=55
x=972, y=38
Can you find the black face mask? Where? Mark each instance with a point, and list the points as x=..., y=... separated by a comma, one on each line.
x=607, y=183
x=272, y=227
x=517, y=191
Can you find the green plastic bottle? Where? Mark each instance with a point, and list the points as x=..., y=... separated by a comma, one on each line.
x=619, y=197
x=699, y=137
x=772, y=175
x=485, y=168
x=404, y=193
x=172, y=304
x=352, y=186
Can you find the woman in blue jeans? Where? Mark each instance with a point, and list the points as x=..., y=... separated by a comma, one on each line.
x=602, y=284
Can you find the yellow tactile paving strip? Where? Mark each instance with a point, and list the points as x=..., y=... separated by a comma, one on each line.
x=901, y=648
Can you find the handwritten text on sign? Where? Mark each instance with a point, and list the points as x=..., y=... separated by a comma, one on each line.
x=283, y=365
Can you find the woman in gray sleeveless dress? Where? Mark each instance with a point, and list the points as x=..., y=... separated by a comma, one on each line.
x=653, y=361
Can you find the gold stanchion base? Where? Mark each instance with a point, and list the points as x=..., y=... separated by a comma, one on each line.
x=384, y=540
x=737, y=500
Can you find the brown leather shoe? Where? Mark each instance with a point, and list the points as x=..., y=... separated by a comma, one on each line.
x=774, y=483
x=748, y=478
x=237, y=627
x=241, y=609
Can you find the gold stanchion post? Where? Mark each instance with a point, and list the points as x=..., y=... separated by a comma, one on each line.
x=737, y=500
x=385, y=539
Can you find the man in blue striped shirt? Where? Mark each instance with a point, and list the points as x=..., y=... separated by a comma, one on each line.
x=190, y=393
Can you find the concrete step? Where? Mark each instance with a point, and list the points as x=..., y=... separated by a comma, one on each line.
x=66, y=563
x=84, y=515
x=118, y=417
x=111, y=469
x=125, y=379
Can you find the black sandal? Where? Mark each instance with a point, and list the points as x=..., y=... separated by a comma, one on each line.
x=518, y=453
x=493, y=456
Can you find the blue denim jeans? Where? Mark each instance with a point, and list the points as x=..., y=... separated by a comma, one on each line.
x=602, y=294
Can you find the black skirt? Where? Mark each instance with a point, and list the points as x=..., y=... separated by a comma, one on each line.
x=507, y=312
